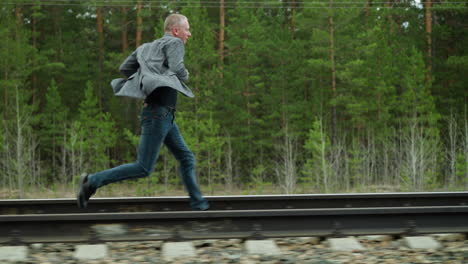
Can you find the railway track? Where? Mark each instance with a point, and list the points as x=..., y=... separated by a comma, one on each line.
x=136, y=219
x=241, y=202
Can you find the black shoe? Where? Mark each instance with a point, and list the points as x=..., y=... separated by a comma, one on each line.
x=85, y=191
x=202, y=208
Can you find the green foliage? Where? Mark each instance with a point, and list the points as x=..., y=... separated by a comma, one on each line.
x=53, y=121
x=272, y=90
x=203, y=136
x=317, y=167
x=92, y=133
x=462, y=168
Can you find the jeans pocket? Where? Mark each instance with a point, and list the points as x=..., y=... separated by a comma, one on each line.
x=149, y=114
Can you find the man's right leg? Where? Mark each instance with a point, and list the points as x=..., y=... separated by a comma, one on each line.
x=176, y=144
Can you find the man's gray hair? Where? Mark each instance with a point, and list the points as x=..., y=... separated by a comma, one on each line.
x=173, y=20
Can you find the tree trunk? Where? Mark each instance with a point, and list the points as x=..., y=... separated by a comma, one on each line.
x=222, y=24
x=323, y=157
x=286, y=171
x=101, y=53
x=139, y=24
x=19, y=159
x=465, y=152
x=64, y=157
x=428, y=6
x=34, y=75
x=229, y=179
x=139, y=31
x=333, y=71
x=132, y=106
x=5, y=96
x=368, y=5
x=124, y=31
x=388, y=4
x=7, y=168
x=58, y=32
x=18, y=15
x=291, y=18
x=452, y=151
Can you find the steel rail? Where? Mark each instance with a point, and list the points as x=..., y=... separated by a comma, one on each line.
x=241, y=202
x=17, y=229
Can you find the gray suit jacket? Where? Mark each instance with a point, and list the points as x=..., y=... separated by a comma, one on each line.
x=152, y=65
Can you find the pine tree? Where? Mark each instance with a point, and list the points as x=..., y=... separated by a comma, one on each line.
x=280, y=73
x=316, y=170
x=20, y=144
x=53, y=122
x=244, y=74
x=91, y=135
x=418, y=118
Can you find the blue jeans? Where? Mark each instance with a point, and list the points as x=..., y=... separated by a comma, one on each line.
x=157, y=127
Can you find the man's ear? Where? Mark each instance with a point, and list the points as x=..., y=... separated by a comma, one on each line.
x=175, y=31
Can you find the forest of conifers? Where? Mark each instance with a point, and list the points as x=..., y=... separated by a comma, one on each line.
x=301, y=96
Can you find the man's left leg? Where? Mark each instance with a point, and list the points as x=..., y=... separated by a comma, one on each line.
x=176, y=144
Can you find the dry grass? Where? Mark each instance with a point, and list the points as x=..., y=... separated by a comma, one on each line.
x=125, y=189
x=147, y=189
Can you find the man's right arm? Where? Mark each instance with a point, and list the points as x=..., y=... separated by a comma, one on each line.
x=130, y=65
x=175, y=58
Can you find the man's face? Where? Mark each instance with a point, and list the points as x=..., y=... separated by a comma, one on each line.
x=182, y=31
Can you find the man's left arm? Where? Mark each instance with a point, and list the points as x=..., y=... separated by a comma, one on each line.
x=130, y=65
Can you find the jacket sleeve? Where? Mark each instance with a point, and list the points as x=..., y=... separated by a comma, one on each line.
x=175, y=57
x=130, y=65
